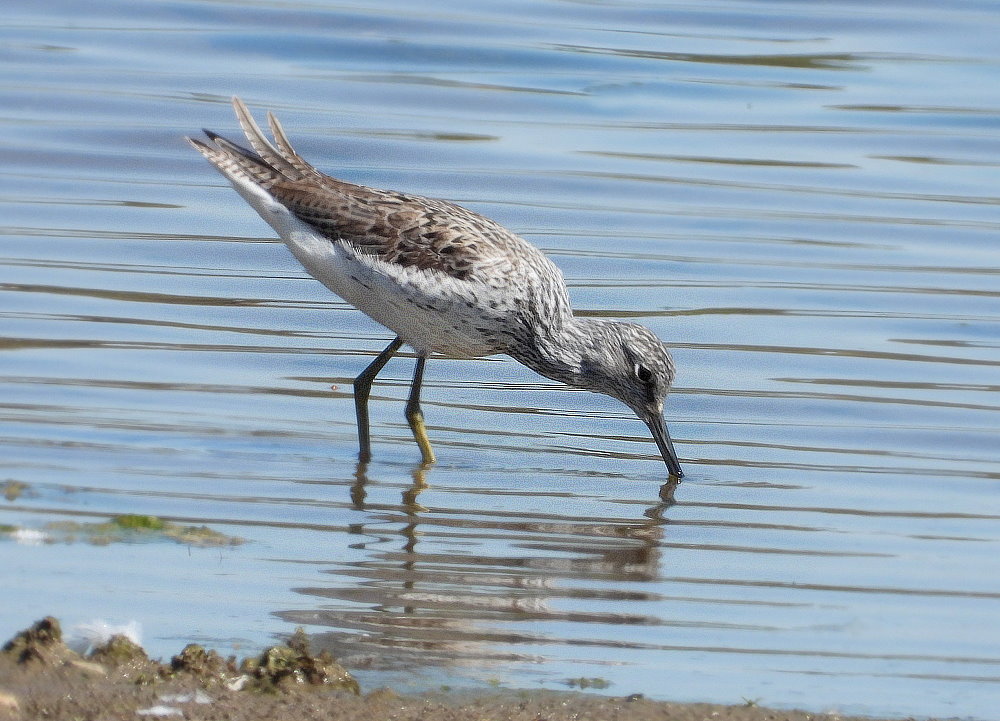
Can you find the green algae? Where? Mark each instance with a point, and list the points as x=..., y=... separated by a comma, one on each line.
x=134, y=528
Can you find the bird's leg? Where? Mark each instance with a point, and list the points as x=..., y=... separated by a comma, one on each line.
x=362, y=389
x=415, y=417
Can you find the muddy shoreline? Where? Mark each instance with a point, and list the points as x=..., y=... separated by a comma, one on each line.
x=42, y=678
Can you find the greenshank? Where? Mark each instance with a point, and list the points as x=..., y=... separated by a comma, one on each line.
x=444, y=279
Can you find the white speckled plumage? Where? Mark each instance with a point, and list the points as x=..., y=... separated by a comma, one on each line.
x=443, y=278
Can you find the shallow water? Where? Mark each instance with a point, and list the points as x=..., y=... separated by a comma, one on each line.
x=799, y=198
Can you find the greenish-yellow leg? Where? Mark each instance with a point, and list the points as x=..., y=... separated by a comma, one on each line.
x=362, y=389
x=415, y=417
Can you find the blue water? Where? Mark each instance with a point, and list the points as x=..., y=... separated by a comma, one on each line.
x=799, y=198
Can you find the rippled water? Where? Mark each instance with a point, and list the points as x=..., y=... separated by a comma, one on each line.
x=800, y=198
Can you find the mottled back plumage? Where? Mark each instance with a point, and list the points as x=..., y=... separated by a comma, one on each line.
x=407, y=230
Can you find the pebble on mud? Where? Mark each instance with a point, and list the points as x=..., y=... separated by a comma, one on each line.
x=42, y=642
x=294, y=665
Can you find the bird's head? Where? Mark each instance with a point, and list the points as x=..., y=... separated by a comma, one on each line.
x=633, y=365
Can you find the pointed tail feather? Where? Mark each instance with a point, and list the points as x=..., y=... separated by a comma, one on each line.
x=288, y=153
x=261, y=144
x=266, y=164
x=235, y=162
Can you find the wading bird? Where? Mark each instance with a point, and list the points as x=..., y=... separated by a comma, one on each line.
x=444, y=279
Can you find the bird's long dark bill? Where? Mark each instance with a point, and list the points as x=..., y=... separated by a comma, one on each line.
x=658, y=427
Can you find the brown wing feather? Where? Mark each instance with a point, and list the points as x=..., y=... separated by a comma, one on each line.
x=407, y=230
x=403, y=229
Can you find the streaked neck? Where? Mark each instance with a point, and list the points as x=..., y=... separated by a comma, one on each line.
x=565, y=352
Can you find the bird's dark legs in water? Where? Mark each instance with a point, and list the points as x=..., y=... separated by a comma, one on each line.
x=362, y=389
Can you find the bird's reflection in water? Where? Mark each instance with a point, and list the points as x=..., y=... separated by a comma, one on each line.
x=667, y=500
x=470, y=586
x=359, y=491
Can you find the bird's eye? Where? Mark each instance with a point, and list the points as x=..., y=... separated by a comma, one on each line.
x=643, y=373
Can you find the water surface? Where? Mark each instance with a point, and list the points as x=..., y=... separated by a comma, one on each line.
x=800, y=199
